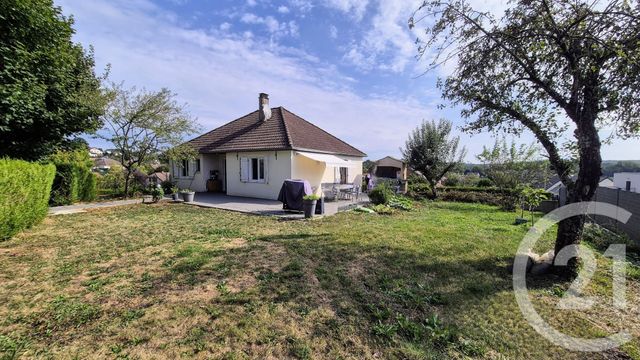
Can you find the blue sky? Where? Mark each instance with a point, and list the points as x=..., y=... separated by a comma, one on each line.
x=346, y=65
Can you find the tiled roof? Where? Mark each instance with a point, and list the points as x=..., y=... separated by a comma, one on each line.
x=283, y=131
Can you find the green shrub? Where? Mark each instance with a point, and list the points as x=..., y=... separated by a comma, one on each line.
x=601, y=237
x=167, y=187
x=472, y=197
x=380, y=194
x=419, y=190
x=383, y=209
x=112, y=182
x=73, y=181
x=24, y=195
x=89, y=190
x=484, y=182
x=400, y=202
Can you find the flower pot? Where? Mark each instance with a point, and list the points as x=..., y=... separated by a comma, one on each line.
x=175, y=196
x=188, y=196
x=309, y=207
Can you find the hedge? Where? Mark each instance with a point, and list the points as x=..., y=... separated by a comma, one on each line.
x=24, y=194
x=74, y=180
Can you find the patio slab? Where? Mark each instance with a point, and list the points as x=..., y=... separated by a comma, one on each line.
x=263, y=206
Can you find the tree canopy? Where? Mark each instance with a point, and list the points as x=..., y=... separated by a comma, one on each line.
x=432, y=150
x=560, y=69
x=511, y=166
x=143, y=125
x=49, y=92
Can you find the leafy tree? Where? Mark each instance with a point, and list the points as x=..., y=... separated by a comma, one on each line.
x=510, y=166
x=142, y=124
x=49, y=92
x=431, y=150
x=533, y=198
x=367, y=166
x=559, y=69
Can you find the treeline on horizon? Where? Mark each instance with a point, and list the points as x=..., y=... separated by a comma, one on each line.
x=609, y=167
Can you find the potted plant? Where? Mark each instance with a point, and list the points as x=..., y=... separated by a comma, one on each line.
x=309, y=205
x=187, y=195
x=175, y=193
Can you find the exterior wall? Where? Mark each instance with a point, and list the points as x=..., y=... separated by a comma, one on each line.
x=277, y=170
x=197, y=181
x=620, y=181
x=318, y=173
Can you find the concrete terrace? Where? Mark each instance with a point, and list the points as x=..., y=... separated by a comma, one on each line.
x=267, y=207
x=225, y=202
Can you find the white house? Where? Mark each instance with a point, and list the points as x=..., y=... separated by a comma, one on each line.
x=253, y=155
x=95, y=152
x=628, y=181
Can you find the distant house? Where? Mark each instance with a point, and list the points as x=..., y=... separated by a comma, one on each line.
x=95, y=152
x=628, y=181
x=555, y=184
x=253, y=155
x=104, y=164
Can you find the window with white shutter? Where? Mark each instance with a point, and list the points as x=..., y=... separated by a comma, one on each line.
x=244, y=169
x=253, y=169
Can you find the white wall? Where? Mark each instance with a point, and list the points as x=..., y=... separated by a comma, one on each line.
x=277, y=170
x=620, y=180
x=318, y=173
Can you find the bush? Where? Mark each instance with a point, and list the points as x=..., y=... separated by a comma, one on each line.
x=601, y=237
x=419, y=191
x=484, y=182
x=112, y=182
x=24, y=195
x=383, y=209
x=73, y=181
x=380, y=194
x=400, y=202
x=167, y=186
x=472, y=197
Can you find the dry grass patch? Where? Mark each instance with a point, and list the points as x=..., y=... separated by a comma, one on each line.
x=172, y=281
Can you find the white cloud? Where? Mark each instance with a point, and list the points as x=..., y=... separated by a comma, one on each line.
x=283, y=9
x=225, y=26
x=220, y=75
x=274, y=27
x=252, y=3
x=302, y=6
x=356, y=8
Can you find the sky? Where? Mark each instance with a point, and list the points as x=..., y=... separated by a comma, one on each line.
x=348, y=66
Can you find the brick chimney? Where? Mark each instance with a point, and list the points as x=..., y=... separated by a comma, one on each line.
x=263, y=106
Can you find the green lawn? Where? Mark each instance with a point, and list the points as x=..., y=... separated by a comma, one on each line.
x=154, y=281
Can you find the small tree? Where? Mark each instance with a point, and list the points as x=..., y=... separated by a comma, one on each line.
x=533, y=198
x=510, y=166
x=431, y=150
x=143, y=124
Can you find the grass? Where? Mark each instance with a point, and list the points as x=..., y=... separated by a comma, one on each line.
x=166, y=280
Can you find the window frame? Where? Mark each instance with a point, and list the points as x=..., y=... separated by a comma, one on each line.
x=260, y=168
x=184, y=172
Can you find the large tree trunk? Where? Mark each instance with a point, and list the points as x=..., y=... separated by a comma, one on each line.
x=583, y=189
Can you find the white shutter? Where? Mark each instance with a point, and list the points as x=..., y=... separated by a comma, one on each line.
x=244, y=169
x=336, y=174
